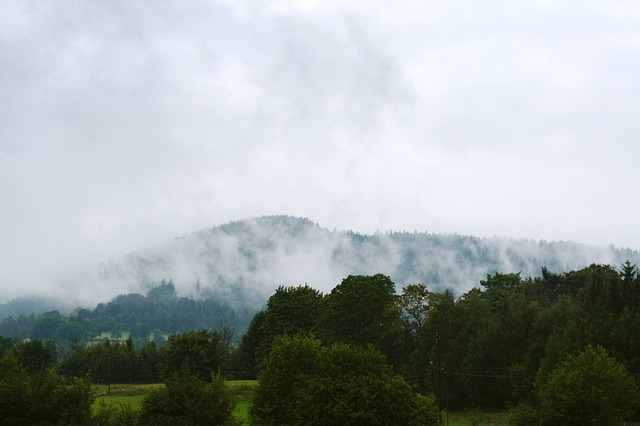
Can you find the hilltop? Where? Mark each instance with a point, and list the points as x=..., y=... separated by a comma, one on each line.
x=242, y=262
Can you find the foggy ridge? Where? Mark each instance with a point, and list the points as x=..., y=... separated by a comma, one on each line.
x=242, y=262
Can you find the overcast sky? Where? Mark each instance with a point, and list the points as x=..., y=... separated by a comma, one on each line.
x=127, y=123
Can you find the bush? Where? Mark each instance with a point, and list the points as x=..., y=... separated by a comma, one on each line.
x=42, y=397
x=305, y=383
x=590, y=388
x=187, y=400
x=121, y=414
x=524, y=414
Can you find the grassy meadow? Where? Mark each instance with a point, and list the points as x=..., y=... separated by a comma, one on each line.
x=121, y=395
x=242, y=393
x=131, y=396
x=242, y=390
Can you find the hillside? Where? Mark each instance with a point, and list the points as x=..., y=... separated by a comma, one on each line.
x=242, y=262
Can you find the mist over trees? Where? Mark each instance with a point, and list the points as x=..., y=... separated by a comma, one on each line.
x=243, y=262
x=161, y=311
x=507, y=342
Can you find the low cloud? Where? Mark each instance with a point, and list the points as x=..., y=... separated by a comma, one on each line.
x=126, y=123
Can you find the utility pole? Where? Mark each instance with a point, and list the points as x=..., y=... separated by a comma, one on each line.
x=109, y=372
x=439, y=368
x=439, y=394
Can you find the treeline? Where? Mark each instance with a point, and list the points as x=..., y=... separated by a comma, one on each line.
x=493, y=347
x=34, y=390
x=111, y=362
x=161, y=310
x=512, y=343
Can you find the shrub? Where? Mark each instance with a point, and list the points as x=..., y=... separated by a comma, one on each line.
x=42, y=397
x=589, y=388
x=305, y=383
x=187, y=400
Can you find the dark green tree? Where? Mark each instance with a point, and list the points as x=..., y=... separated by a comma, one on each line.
x=305, y=383
x=246, y=354
x=590, y=388
x=361, y=310
x=202, y=351
x=47, y=325
x=14, y=391
x=34, y=355
x=290, y=310
x=42, y=398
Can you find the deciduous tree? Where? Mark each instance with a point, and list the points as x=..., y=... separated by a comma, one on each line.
x=305, y=383
x=590, y=388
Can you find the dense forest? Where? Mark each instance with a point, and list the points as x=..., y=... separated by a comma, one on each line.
x=139, y=317
x=512, y=343
x=243, y=262
x=494, y=347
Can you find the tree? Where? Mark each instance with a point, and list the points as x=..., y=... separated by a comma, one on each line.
x=589, y=388
x=47, y=325
x=306, y=383
x=187, y=400
x=203, y=351
x=359, y=311
x=149, y=364
x=42, y=397
x=34, y=355
x=290, y=310
x=250, y=342
x=14, y=390
x=414, y=303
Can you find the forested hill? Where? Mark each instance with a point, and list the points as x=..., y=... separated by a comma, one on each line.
x=242, y=262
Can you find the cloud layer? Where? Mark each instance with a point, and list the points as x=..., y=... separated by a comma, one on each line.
x=123, y=124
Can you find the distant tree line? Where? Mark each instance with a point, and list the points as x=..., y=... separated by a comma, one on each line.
x=160, y=311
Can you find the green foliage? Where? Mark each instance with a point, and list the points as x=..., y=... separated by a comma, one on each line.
x=42, y=397
x=202, y=351
x=360, y=310
x=414, y=303
x=290, y=310
x=491, y=348
x=104, y=362
x=242, y=391
x=187, y=400
x=525, y=414
x=111, y=414
x=589, y=388
x=306, y=383
x=161, y=309
x=250, y=341
x=35, y=355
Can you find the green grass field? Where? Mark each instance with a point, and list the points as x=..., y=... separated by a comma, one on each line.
x=242, y=390
x=121, y=395
x=475, y=418
x=242, y=393
x=132, y=395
